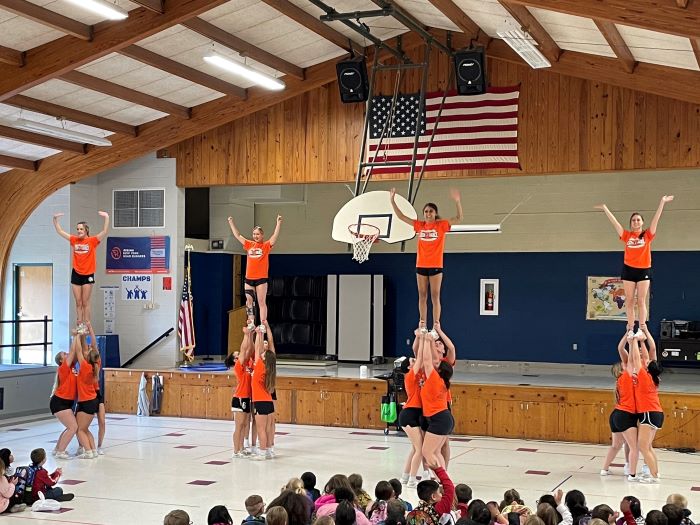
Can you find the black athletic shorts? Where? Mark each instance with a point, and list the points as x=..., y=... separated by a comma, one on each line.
x=410, y=417
x=263, y=408
x=635, y=275
x=654, y=419
x=100, y=397
x=441, y=424
x=621, y=420
x=89, y=407
x=428, y=272
x=58, y=404
x=256, y=282
x=240, y=404
x=81, y=280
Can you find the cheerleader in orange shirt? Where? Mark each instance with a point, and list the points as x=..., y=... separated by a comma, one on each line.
x=84, y=265
x=257, y=268
x=263, y=385
x=433, y=395
x=241, y=402
x=646, y=394
x=431, y=245
x=636, y=270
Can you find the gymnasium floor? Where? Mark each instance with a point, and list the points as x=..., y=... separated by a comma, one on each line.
x=154, y=465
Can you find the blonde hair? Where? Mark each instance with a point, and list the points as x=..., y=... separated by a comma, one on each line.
x=295, y=485
x=276, y=516
x=176, y=517
x=677, y=499
x=597, y=521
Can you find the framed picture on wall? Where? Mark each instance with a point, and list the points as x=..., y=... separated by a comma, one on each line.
x=605, y=299
x=488, y=297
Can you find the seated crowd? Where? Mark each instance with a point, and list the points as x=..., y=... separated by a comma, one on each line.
x=344, y=502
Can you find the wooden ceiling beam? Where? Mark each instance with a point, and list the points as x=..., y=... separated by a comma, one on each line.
x=459, y=18
x=125, y=93
x=29, y=137
x=653, y=15
x=12, y=56
x=48, y=18
x=695, y=44
x=65, y=54
x=312, y=23
x=230, y=41
x=152, y=5
x=617, y=44
x=168, y=65
x=16, y=162
x=682, y=3
x=74, y=115
x=547, y=46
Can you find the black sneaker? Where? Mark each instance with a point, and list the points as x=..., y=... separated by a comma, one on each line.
x=67, y=497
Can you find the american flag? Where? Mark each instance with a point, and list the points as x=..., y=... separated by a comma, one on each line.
x=479, y=131
x=158, y=253
x=185, y=322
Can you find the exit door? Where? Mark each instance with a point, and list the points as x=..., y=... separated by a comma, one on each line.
x=33, y=301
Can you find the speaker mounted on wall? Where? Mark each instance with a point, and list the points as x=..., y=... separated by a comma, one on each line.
x=470, y=71
x=352, y=80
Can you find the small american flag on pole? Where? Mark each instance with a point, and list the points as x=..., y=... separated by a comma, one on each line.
x=473, y=132
x=185, y=322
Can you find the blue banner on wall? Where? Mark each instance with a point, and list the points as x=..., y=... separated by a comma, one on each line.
x=138, y=254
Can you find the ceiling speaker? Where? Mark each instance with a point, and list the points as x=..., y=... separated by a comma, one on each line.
x=352, y=80
x=470, y=71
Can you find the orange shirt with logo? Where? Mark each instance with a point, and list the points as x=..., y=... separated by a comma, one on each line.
x=433, y=395
x=243, y=388
x=67, y=383
x=646, y=393
x=411, y=383
x=625, y=394
x=258, y=261
x=260, y=393
x=86, y=382
x=637, y=251
x=431, y=242
x=84, y=256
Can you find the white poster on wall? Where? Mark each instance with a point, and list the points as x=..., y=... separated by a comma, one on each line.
x=137, y=288
x=109, y=301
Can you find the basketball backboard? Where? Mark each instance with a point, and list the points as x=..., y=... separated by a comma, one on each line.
x=374, y=207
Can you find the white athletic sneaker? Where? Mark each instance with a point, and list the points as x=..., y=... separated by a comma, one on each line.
x=433, y=333
x=648, y=479
x=251, y=326
x=258, y=457
x=53, y=452
x=80, y=451
x=246, y=443
x=269, y=454
x=404, y=478
x=630, y=335
x=604, y=472
x=62, y=455
x=262, y=328
x=271, y=450
x=237, y=455
x=640, y=335
x=86, y=455
x=645, y=470
x=632, y=478
x=425, y=475
x=626, y=470
x=412, y=483
x=100, y=451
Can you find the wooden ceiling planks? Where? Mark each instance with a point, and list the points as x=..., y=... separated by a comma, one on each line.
x=65, y=54
x=48, y=18
x=459, y=18
x=532, y=26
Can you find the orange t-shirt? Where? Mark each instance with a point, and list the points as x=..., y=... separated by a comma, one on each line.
x=625, y=393
x=433, y=395
x=646, y=393
x=431, y=242
x=258, y=382
x=86, y=382
x=84, y=256
x=67, y=385
x=258, y=261
x=637, y=251
x=412, y=385
x=243, y=387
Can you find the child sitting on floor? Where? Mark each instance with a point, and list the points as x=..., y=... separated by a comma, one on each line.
x=45, y=482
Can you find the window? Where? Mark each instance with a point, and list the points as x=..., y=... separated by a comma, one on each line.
x=139, y=208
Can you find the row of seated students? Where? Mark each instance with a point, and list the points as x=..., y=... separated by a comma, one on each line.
x=344, y=502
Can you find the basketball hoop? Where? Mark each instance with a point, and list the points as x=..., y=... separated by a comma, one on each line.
x=363, y=236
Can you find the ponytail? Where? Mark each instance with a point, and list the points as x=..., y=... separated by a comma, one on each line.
x=270, y=371
x=655, y=370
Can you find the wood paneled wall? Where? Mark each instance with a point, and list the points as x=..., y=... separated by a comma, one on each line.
x=566, y=124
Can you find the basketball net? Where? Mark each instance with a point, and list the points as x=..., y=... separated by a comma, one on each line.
x=363, y=236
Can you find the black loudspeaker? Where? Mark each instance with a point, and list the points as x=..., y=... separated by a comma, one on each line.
x=666, y=329
x=352, y=80
x=470, y=71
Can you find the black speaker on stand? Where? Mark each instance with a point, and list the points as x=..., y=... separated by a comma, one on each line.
x=470, y=71
x=352, y=80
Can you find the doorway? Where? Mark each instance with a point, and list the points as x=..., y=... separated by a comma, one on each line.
x=33, y=301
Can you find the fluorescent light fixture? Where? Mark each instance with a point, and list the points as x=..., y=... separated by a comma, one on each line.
x=520, y=42
x=56, y=132
x=103, y=8
x=232, y=66
x=475, y=228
